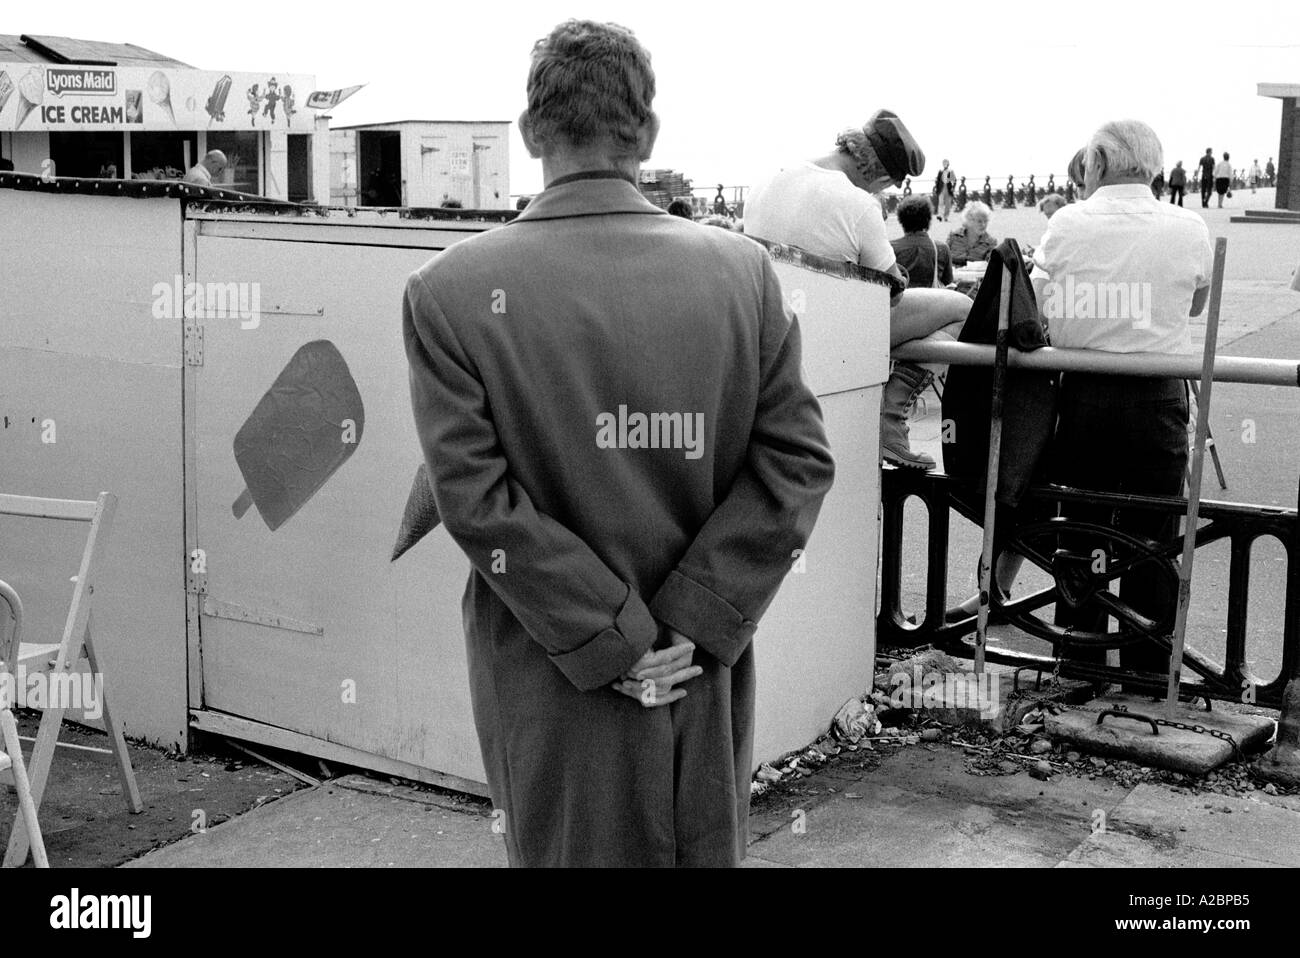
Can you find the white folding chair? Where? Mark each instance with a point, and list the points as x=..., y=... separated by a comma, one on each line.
x=11, y=752
x=77, y=640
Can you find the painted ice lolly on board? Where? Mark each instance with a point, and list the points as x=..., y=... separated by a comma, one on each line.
x=305, y=427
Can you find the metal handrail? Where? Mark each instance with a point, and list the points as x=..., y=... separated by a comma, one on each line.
x=1227, y=369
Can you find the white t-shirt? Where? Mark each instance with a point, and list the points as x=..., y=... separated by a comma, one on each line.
x=1121, y=269
x=820, y=211
x=1223, y=170
x=199, y=175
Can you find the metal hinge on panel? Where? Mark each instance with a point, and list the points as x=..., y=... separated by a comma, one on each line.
x=193, y=344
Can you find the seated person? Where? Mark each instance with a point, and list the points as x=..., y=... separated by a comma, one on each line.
x=915, y=251
x=827, y=206
x=972, y=243
x=1050, y=204
x=1122, y=433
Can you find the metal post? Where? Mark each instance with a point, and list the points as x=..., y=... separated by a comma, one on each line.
x=1194, y=486
x=991, y=480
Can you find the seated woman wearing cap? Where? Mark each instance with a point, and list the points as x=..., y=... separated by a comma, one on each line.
x=1122, y=433
x=972, y=243
x=917, y=253
x=828, y=206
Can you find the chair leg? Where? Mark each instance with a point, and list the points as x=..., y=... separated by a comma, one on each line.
x=117, y=741
x=26, y=803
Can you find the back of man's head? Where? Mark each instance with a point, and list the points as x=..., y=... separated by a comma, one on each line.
x=1123, y=151
x=590, y=85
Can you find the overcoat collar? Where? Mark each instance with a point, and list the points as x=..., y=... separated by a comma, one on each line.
x=587, y=197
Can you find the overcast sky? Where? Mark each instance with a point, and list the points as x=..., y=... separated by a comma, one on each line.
x=745, y=87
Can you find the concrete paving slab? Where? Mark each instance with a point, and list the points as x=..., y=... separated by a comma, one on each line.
x=1172, y=748
x=924, y=810
x=903, y=830
x=340, y=827
x=1159, y=827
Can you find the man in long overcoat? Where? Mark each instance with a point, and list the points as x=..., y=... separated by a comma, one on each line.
x=610, y=405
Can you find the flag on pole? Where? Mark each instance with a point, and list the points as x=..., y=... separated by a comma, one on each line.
x=328, y=99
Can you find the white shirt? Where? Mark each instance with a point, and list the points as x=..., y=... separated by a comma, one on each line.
x=1223, y=170
x=1121, y=269
x=199, y=176
x=820, y=211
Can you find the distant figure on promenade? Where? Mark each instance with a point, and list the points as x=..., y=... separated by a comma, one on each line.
x=828, y=206
x=1177, y=183
x=916, y=252
x=1158, y=185
x=1256, y=174
x=1050, y=204
x=945, y=188
x=207, y=169
x=972, y=242
x=611, y=668
x=1269, y=171
x=1207, y=176
x=1123, y=433
x=1223, y=178
x=680, y=207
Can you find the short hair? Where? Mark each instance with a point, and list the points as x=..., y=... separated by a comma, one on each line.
x=590, y=83
x=1127, y=148
x=975, y=208
x=680, y=207
x=1225, y=156
x=914, y=213
x=1077, y=166
x=854, y=142
x=1056, y=199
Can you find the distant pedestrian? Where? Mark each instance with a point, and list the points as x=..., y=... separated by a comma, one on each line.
x=1177, y=183
x=1223, y=178
x=1269, y=171
x=1158, y=185
x=1207, y=176
x=945, y=185
x=1256, y=174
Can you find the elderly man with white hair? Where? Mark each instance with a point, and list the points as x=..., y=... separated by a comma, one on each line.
x=1123, y=272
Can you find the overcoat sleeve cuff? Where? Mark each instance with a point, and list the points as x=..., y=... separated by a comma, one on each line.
x=704, y=617
x=611, y=652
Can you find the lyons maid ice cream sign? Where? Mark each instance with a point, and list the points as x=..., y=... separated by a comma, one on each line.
x=38, y=96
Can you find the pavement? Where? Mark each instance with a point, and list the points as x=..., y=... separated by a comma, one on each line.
x=897, y=804
x=917, y=807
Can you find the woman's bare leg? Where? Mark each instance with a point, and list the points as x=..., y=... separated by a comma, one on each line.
x=921, y=312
